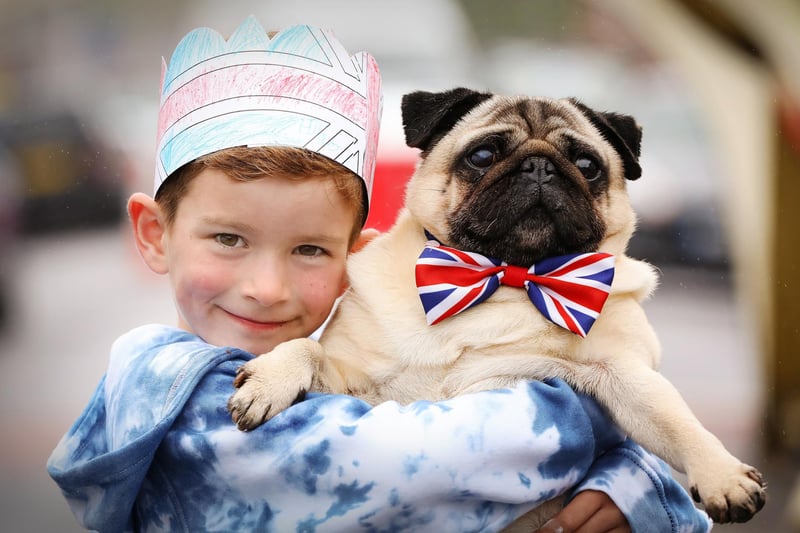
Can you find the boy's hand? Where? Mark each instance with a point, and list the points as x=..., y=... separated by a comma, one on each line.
x=590, y=511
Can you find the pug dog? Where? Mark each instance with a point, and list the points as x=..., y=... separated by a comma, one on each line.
x=508, y=182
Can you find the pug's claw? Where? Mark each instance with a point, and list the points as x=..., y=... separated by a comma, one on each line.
x=241, y=376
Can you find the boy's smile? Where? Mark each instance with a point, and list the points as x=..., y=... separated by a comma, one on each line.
x=256, y=263
x=256, y=324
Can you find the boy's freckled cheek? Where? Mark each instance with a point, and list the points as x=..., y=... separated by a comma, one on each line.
x=322, y=292
x=204, y=281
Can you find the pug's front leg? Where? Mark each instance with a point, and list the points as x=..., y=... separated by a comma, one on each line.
x=273, y=381
x=649, y=408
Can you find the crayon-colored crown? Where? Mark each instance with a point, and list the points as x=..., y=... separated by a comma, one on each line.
x=300, y=88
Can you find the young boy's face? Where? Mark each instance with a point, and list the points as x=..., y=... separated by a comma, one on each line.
x=253, y=264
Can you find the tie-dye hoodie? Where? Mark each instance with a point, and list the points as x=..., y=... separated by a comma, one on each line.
x=155, y=450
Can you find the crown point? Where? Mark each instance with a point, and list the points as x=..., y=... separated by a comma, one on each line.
x=250, y=35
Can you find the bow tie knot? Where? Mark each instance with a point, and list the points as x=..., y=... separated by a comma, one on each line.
x=570, y=290
x=514, y=276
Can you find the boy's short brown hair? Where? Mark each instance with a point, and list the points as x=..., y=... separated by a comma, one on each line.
x=247, y=164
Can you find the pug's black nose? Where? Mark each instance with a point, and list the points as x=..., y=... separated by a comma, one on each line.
x=538, y=168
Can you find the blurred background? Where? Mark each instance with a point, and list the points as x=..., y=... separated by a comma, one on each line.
x=715, y=85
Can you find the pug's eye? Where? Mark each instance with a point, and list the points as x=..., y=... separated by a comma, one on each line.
x=482, y=157
x=589, y=167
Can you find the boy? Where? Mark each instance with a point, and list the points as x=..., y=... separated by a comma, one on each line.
x=266, y=155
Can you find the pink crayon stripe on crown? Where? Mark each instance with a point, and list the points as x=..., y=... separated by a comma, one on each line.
x=262, y=80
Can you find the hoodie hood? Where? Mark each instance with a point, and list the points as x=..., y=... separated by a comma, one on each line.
x=102, y=460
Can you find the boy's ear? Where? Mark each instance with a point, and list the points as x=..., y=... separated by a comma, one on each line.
x=148, y=231
x=366, y=235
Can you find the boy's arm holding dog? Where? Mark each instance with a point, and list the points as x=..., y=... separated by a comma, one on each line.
x=474, y=448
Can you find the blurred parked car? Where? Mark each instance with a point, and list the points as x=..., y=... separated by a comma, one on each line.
x=69, y=179
x=10, y=200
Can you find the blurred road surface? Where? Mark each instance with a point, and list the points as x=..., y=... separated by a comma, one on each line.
x=77, y=292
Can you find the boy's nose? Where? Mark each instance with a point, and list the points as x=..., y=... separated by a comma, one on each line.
x=266, y=283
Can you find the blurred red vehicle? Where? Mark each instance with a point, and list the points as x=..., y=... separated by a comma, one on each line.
x=388, y=191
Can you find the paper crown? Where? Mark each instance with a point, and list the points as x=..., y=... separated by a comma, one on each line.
x=300, y=88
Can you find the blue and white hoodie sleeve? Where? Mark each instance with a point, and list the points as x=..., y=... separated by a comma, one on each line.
x=156, y=451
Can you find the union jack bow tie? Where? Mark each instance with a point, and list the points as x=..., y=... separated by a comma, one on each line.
x=570, y=290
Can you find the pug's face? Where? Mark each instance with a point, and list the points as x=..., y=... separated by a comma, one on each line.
x=519, y=178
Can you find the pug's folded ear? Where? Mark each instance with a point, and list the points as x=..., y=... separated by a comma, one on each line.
x=428, y=116
x=622, y=131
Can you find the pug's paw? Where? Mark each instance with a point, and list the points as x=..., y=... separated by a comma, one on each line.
x=732, y=496
x=272, y=382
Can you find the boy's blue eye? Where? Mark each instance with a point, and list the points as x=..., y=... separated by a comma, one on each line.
x=309, y=250
x=227, y=239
